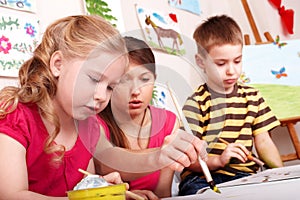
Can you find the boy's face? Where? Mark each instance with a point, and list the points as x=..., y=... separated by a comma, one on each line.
x=223, y=66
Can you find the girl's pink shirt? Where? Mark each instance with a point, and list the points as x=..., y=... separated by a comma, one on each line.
x=44, y=176
x=163, y=122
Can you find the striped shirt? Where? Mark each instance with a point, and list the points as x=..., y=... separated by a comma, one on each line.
x=235, y=117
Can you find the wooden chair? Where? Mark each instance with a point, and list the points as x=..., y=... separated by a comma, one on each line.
x=289, y=123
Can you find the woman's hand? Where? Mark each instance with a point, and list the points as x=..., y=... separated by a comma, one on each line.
x=146, y=194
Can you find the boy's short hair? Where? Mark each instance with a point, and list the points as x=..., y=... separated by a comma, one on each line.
x=215, y=31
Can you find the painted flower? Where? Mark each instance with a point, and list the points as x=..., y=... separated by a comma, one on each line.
x=30, y=30
x=5, y=45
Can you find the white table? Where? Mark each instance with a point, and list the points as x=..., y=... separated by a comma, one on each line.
x=272, y=184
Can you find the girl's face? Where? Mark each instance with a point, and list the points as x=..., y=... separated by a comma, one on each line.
x=223, y=67
x=85, y=86
x=134, y=91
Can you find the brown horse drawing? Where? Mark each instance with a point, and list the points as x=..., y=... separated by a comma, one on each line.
x=164, y=33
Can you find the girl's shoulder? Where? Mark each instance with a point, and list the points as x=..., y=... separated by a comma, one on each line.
x=23, y=123
x=162, y=119
x=160, y=111
x=24, y=112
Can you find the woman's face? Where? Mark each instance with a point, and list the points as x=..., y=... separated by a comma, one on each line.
x=134, y=92
x=85, y=86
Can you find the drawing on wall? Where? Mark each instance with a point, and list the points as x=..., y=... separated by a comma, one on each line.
x=101, y=8
x=161, y=30
x=159, y=96
x=23, y=5
x=18, y=39
x=274, y=70
x=192, y=6
x=278, y=43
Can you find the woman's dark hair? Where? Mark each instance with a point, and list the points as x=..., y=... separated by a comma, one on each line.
x=139, y=53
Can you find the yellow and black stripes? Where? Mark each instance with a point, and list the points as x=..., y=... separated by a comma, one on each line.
x=235, y=117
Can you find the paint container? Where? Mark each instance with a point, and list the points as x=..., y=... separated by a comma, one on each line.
x=112, y=192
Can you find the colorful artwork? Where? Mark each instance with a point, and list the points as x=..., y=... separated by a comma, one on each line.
x=280, y=73
x=23, y=5
x=101, y=8
x=18, y=39
x=161, y=30
x=275, y=72
x=278, y=43
x=243, y=78
x=159, y=96
x=192, y=6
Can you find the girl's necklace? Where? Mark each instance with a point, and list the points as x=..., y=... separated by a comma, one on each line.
x=140, y=129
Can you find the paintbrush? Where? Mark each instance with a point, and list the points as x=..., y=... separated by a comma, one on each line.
x=187, y=128
x=249, y=156
x=128, y=193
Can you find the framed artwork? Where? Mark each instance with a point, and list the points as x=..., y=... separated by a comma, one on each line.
x=18, y=39
x=22, y=5
x=274, y=70
x=192, y=6
x=161, y=30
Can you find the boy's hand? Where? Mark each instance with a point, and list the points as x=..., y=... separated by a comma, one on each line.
x=234, y=150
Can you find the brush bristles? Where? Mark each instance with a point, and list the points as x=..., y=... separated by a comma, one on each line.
x=213, y=186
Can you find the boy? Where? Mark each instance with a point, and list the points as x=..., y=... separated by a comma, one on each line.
x=224, y=108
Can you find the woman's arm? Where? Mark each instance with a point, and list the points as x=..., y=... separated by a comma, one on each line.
x=13, y=172
x=179, y=150
x=164, y=187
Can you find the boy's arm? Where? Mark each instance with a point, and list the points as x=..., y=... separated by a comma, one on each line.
x=214, y=162
x=267, y=150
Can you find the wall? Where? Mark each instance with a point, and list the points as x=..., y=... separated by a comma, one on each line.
x=266, y=17
x=47, y=11
x=264, y=14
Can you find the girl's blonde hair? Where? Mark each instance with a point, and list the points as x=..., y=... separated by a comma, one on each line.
x=76, y=37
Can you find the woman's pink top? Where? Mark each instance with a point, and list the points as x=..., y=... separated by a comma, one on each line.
x=44, y=176
x=163, y=122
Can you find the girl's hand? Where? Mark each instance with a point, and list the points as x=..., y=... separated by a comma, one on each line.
x=181, y=149
x=146, y=194
x=114, y=178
